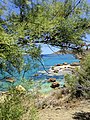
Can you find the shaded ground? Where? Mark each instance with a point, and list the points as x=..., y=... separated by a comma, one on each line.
x=82, y=116
x=79, y=112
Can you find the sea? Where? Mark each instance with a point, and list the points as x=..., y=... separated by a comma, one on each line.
x=37, y=76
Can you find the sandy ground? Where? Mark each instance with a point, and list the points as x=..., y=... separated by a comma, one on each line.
x=67, y=114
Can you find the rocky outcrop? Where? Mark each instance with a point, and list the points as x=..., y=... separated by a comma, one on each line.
x=56, y=71
x=58, y=64
x=65, y=63
x=55, y=84
x=51, y=80
x=20, y=88
x=11, y=80
x=75, y=64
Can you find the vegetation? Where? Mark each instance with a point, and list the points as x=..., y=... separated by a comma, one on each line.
x=79, y=82
x=52, y=22
x=17, y=106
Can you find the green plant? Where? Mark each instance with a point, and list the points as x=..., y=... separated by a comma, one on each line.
x=30, y=111
x=17, y=106
x=71, y=83
x=52, y=67
x=79, y=82
x=11, y=108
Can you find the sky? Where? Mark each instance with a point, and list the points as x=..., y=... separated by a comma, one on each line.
x=48, y=49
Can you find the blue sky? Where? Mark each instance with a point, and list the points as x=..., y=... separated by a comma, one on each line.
x=48, y=49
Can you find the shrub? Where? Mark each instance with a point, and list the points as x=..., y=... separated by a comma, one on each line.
x=11, y=108
x=17, y=106
x=79, y=82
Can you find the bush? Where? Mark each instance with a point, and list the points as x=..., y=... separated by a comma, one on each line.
x=79, y=82
x=11, y=108
x=16, y=105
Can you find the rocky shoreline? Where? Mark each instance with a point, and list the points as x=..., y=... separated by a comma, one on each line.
x=77, y=55
x=65, y=68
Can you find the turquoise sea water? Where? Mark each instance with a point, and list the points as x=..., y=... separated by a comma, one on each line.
x=48, y=60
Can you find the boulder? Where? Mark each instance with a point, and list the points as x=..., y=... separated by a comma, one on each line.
x=51, y=80
x=65, y=63
x=75, y=64
x=55, y=84
x=20, y=88
x=79, y=57
x=58, y=64
x=11, y=80
x=56, y=71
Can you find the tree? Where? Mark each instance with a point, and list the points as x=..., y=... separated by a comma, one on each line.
x=46, y=22
x=60, y=24
x=13, y=46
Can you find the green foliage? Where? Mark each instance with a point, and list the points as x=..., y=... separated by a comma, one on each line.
x=11, y=108
x=34, y=52
x=70, y=81
x=27, y=84
x=61, y=21
x=79, y=82
x=84, y=74
x=17, y=106
x=13, y=46
x=52, y=22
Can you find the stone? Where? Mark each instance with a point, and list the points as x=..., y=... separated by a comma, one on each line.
x=55, y=84
x=20, y=88
x=79, y=57
x=75, y=64
x=58, y=108
x=56, y=71
x=11, y=80
x=58, y=64
x=65, y=63
x=51, y=80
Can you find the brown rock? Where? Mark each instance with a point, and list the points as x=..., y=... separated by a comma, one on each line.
x=79, y=57
x=65, y=63
x=20, y=88
x=51, y=80
x=11, y=80
x=55, y=84
x=56, y=71
x=75, y=64
x=59, y=65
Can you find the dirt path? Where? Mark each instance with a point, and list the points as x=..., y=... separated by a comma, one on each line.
x=67, y=114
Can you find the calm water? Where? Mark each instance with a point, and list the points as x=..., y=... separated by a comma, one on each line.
x=48, y=61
